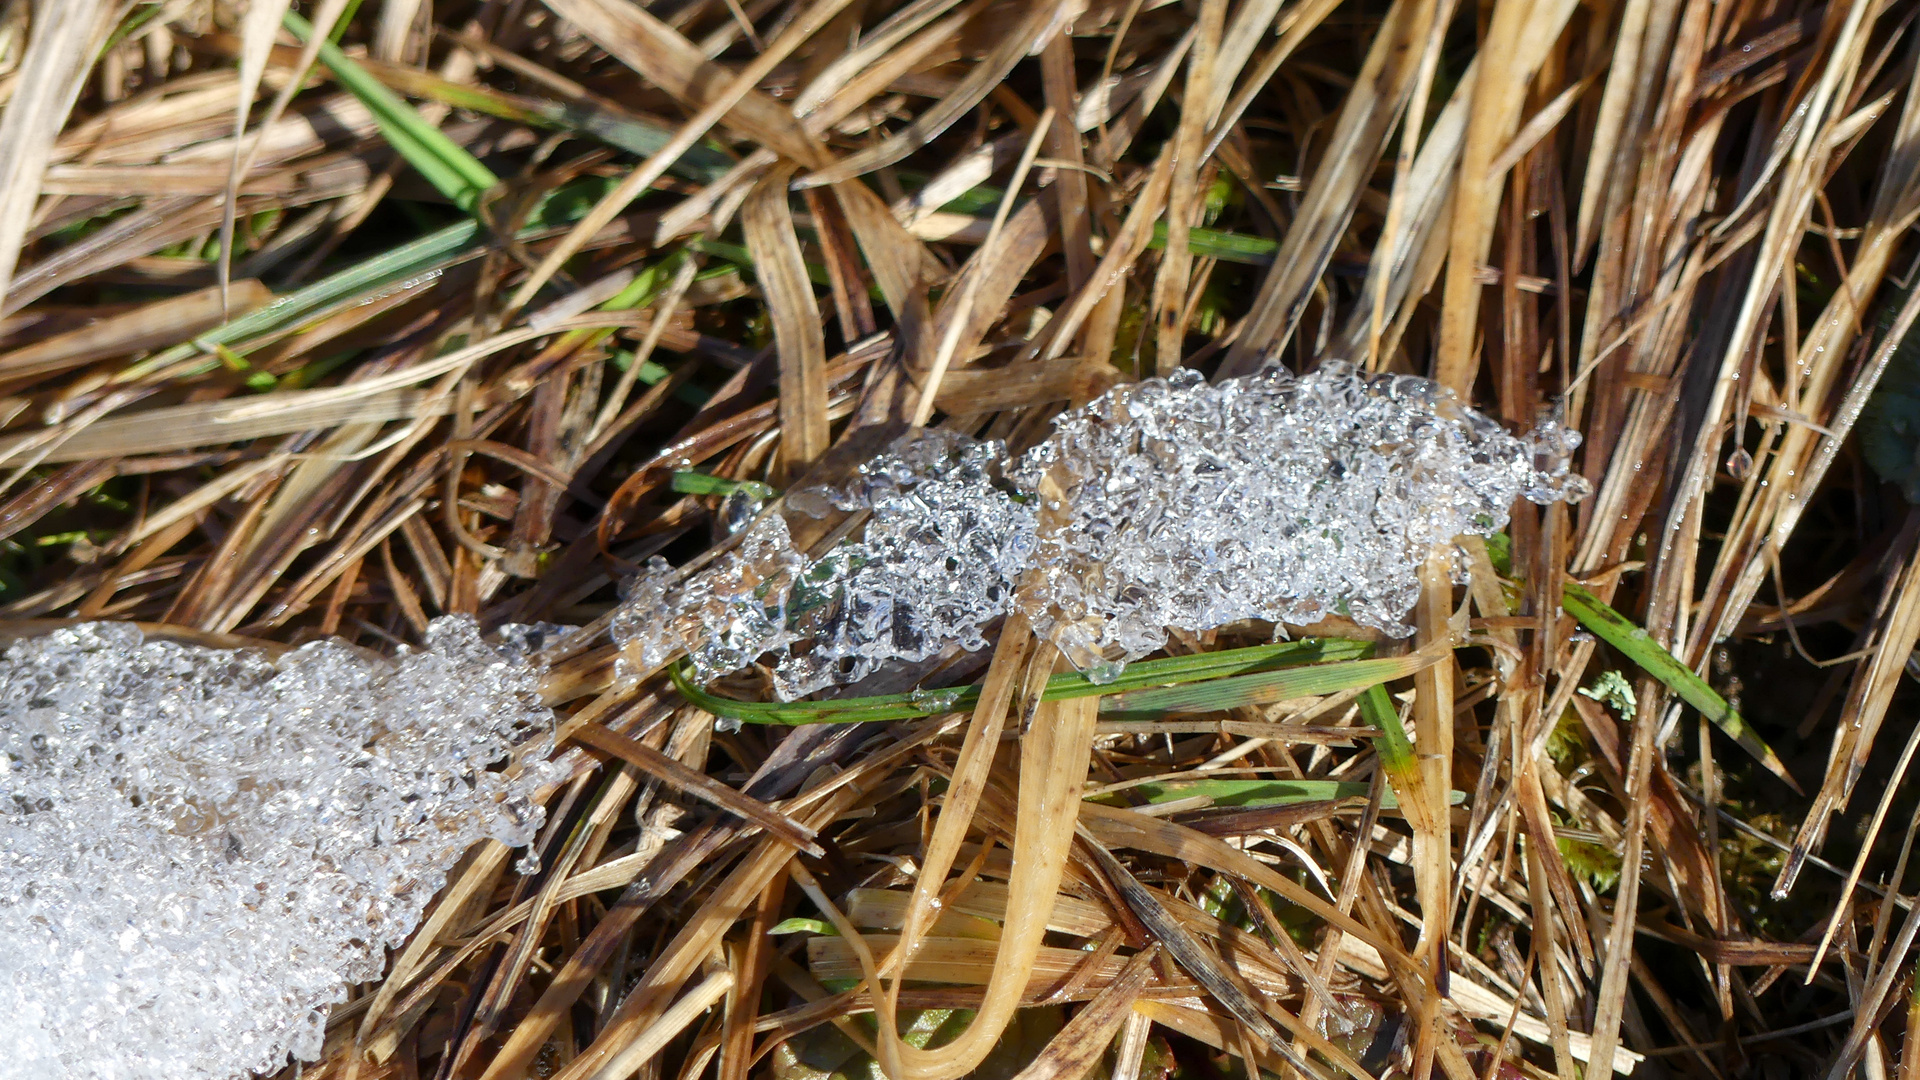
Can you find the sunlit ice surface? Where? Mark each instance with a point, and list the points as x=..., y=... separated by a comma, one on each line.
x=201, y=848
x=1165, y=503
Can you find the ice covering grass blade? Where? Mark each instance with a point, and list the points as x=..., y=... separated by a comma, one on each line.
x=261, y=831
x=1183, y=505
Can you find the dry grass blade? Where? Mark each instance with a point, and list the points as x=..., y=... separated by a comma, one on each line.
x=54, y=65
x=676, y=65
x=257, y=31
x=1366, y=118
x=654, y=763
x=651, y=1041
x=1627, y=77
x=959, y=316
x=691, y=73
x=1023, y=38
x=1054, y=750
x=768, y=223
x=1081, y=1044
x=1205, y=70
x=1520, y=35
x=1203, y=965
x=161, y=322
x=183, y=427
x=1432, y=832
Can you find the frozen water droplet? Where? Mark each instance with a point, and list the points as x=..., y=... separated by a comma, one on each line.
x=935, y=701
x=740, y=507
x=815, y=502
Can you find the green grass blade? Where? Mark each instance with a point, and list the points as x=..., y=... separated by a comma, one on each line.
x=1149, y=673
x=339, y=31
x=1216, y=243
x=704, y=163
x=140, y=16
x=1393, y=745
x=1619, y=631
x=401, y=267
x=1259, y=689
x=1254, y=794
x=444, y=163
x=646, y=286
x=739, y=256
x=361, y=281
x=845, y=711
x=1225, y=246
x=802, y=925
x=1174, y=670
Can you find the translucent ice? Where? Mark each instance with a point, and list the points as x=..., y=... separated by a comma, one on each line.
x=723, y=617
x=1166, y=503
x=1270, y=497
x=942, y=549
x=199, y=848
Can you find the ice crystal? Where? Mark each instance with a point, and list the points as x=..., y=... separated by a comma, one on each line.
x=723, y=617
x=1166, y=503
x=942, y=548
x=200, y=848
x=1269, y=497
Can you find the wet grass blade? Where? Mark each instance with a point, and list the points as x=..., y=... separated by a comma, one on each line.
x=445, y=164
x=1619, y=631
x=1329, y=653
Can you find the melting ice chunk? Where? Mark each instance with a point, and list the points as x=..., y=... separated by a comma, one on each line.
x=1270, y=497
x=200, y=848
x=944, y=543
x=1167, y=503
